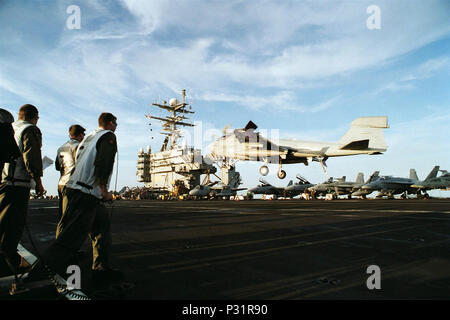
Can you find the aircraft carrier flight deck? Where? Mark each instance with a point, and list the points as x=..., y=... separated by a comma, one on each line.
x=279, y=249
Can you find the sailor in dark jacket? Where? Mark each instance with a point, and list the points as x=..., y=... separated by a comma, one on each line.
x=18, y=177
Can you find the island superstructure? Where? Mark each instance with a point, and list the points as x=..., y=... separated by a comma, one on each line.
x=175, y=166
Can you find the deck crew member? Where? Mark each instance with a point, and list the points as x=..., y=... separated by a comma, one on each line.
x=8, y=145
x=86, y=214
x=18, y=177
x=65, y=162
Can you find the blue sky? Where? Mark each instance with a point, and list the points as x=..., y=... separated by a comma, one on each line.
x=307, y=68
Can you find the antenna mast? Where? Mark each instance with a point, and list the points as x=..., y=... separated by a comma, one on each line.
x=175, y=119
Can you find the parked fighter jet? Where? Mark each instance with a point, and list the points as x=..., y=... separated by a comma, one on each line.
x=227, y=191
x=200, y=191
x=299, y=187
x=349, y=188
x=365, y=136
x=329, y=186
x=433, y=182
x=342, y=187
x=209, y=189
x=268, y=189
x=390, y=186
x=356, y=191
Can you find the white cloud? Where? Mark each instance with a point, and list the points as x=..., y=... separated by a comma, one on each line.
x=424, y=70
x=282, y=101
x=395, y=86
x=284, y=44
x=431, y=66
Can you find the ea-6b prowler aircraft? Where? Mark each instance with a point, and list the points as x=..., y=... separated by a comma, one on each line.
x=365, y=136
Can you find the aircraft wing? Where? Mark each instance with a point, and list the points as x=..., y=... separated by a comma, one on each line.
x=248, y=135
x=298, y=152
x=264, y=182
x=390, y=187
x=258, y=143
x=288, y=149
x=345, y=184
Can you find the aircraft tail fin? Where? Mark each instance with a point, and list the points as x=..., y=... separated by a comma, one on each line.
x=251, y=126
x=413, y=174
x=365, y=133
x=360, y=178
x=235, y=181
x=290, y=183
x=433, y=173
x=373, y=177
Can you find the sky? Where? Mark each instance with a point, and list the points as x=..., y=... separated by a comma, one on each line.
x=306, y=68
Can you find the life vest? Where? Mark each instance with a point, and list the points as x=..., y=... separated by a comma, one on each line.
x=66, y=158
x=83, y=177
x=15, y=173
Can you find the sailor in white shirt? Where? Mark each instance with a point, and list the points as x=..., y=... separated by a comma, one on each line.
x=65, y=162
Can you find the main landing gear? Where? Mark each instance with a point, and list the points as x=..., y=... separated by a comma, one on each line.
x=264, y=170
x=281, y=174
